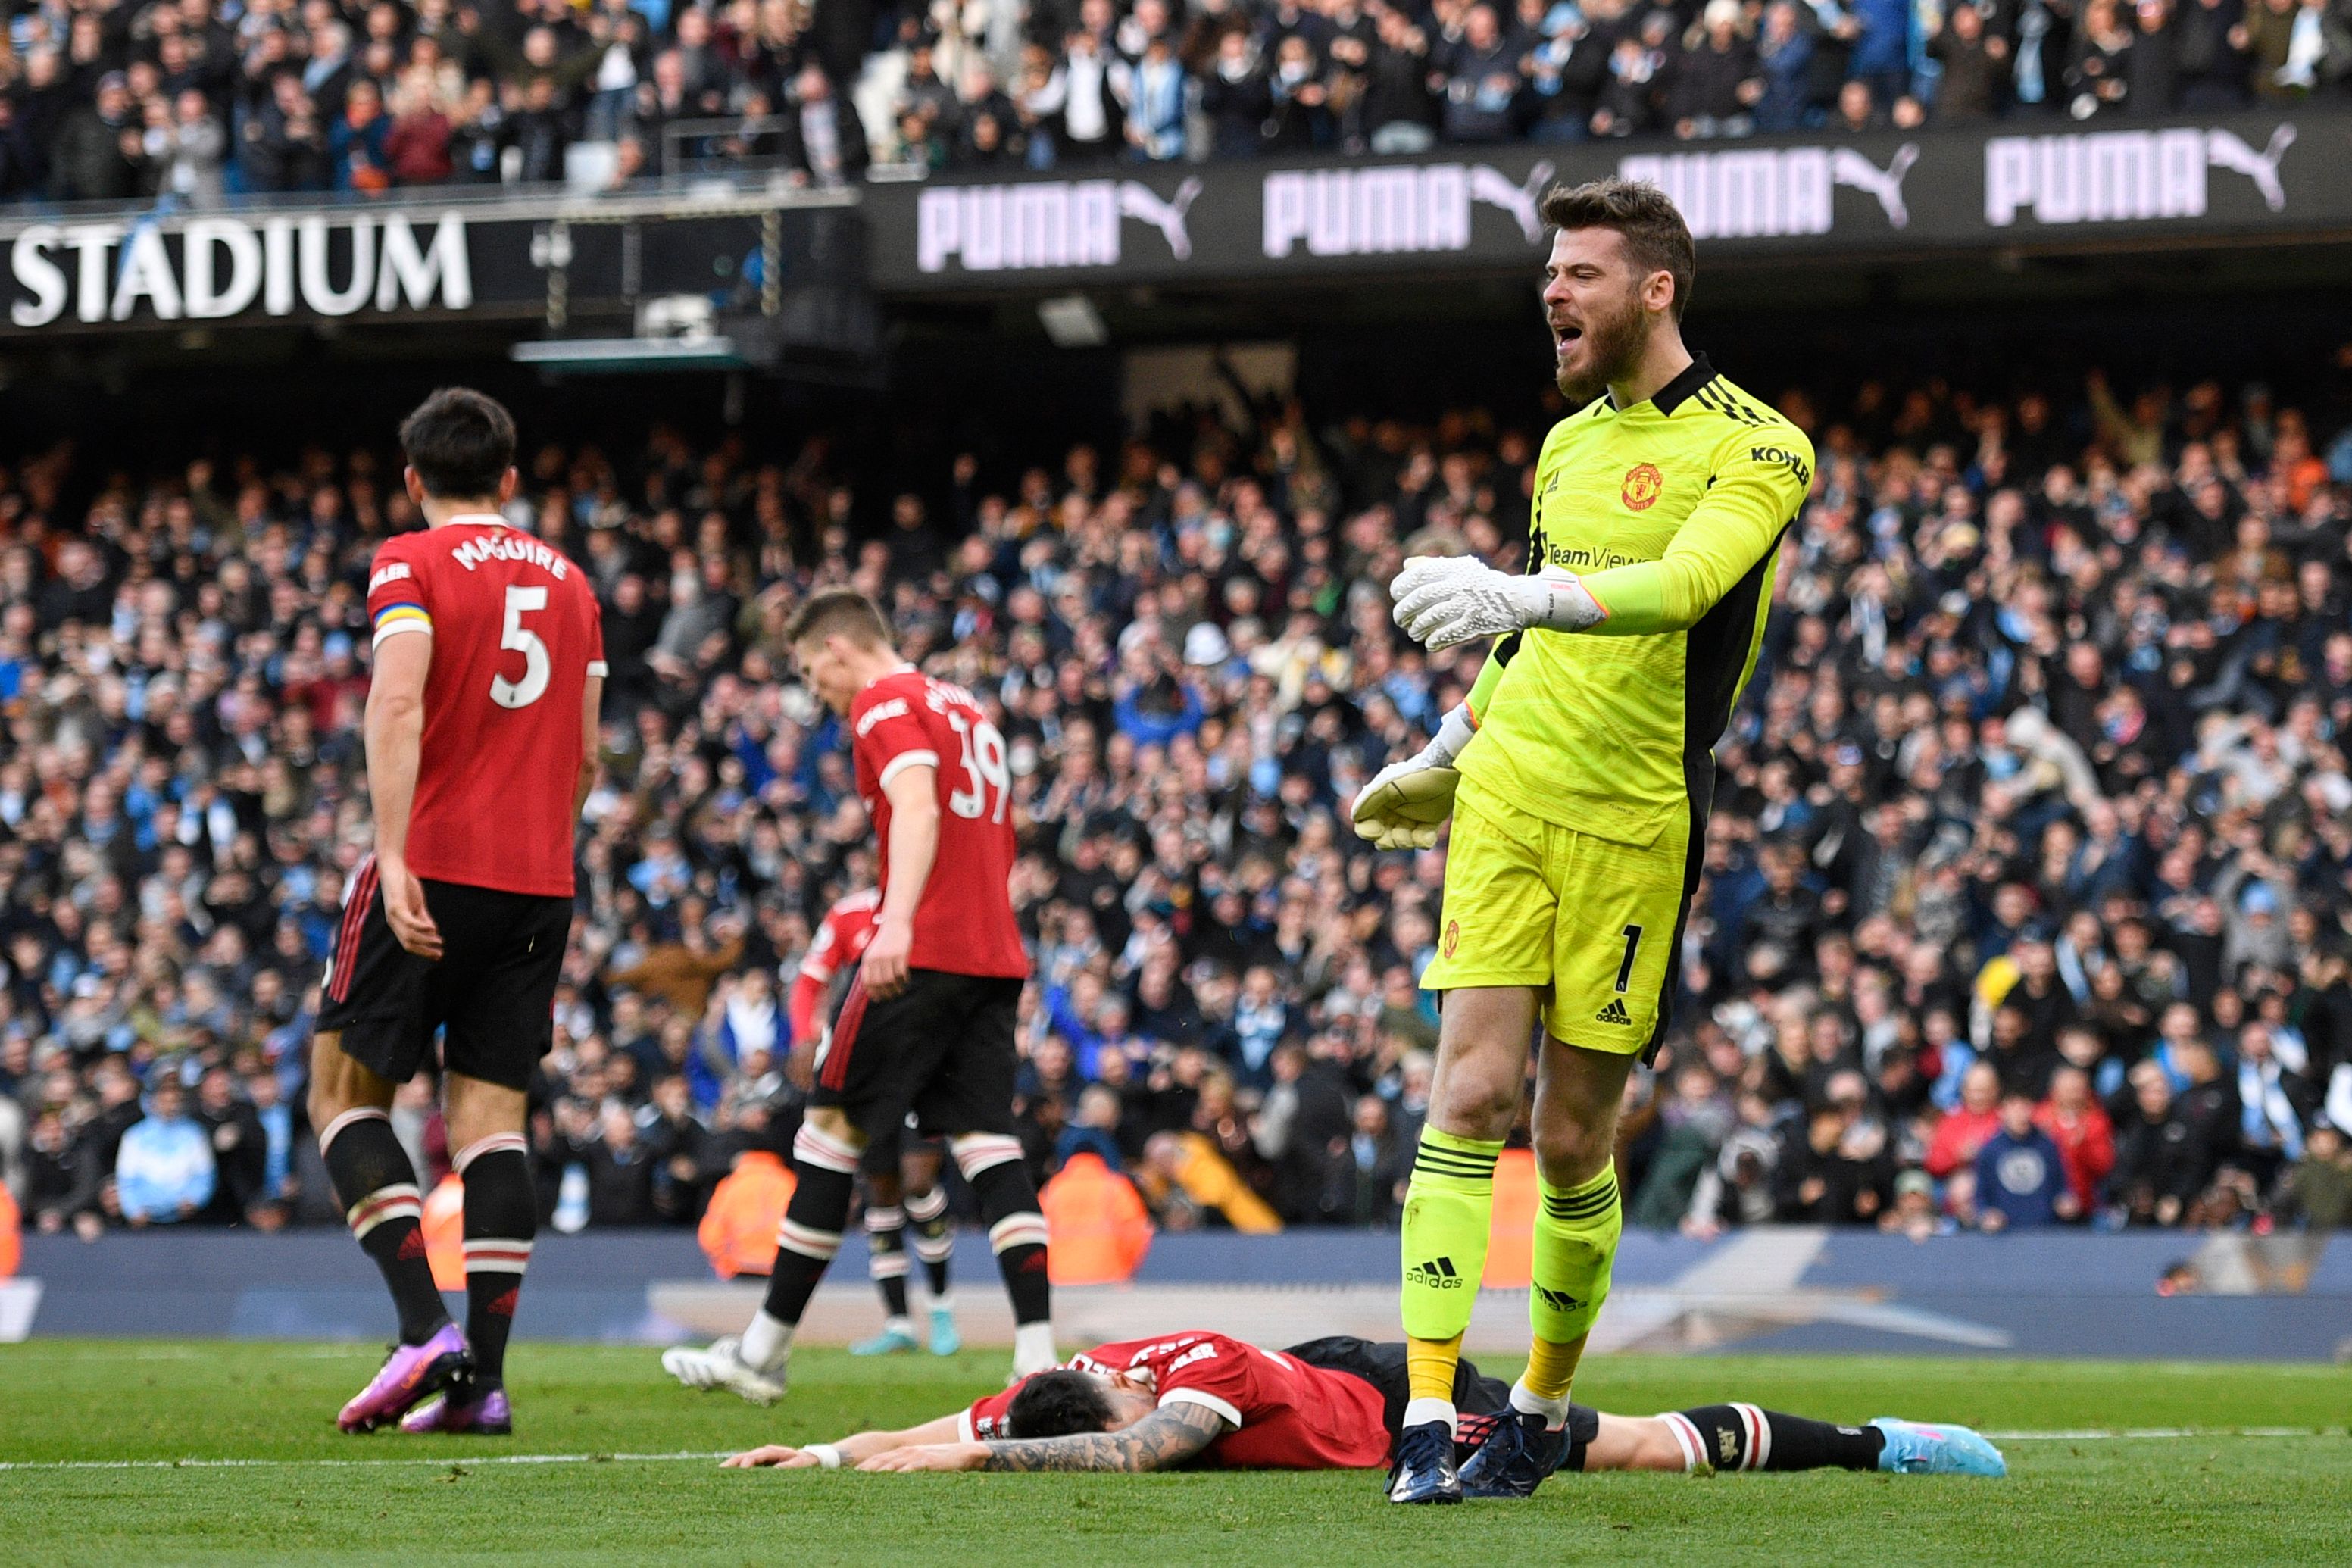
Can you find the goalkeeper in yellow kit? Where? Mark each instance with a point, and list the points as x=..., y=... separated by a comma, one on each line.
x=1579, y=775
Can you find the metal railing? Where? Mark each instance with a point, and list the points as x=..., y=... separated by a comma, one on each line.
x=715, y=189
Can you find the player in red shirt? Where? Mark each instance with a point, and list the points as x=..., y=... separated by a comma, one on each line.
x=1199, y=1399
x=901, y=1178
x=926, y=1028
x=481, y=737
x=840, y=942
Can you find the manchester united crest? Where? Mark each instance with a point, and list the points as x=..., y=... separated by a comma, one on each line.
x=1452, y=936
x=1643, y=483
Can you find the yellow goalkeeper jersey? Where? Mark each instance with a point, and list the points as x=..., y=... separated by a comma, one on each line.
x=1671, y=512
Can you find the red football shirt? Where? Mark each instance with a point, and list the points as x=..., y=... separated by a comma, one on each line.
x=1284, y=1414
x=964, y=924
x=840, y=942
x=516, y=634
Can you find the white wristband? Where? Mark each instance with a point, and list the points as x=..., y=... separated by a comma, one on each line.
x=1556, y=600
x=1453, y=732
x=828, y=1457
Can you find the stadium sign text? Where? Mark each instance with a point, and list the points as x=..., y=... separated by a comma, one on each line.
x=1394, y=210
x=1772, y=192
x=224, y=266
x=566, y=263
x=2123, y=175
x=1051, y=223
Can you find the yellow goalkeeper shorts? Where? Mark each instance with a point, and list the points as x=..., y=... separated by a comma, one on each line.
x=1593, y=922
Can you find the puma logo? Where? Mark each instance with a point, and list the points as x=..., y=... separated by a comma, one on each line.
x=1044, y=223
x=1848, y=167
x=1142, y=202
x=2228, y=150
x=1522, y=201
x=2112, y=176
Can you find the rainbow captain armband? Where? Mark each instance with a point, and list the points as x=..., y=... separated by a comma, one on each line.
x=394, y=619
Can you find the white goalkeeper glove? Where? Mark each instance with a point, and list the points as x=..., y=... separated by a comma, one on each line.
x=1441, y=600
x=1405, y=803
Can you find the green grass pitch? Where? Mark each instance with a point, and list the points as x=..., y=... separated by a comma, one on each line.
x=2263, y=1477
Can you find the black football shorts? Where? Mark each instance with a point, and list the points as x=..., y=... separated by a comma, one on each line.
x=1479, y=1400
x=493, y=988
x=940, y=1050
x=887, y=1150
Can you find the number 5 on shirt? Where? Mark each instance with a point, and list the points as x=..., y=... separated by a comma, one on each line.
x=515, y=634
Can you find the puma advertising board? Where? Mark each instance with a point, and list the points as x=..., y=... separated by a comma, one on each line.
x=2049, y=185
x=2011, y=184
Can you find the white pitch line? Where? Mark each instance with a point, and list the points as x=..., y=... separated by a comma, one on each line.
x=461, y=1461
x=23, y=1352
x=2136, y=1434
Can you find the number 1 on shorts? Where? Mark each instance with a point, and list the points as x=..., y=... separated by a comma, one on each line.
x=1632, y=946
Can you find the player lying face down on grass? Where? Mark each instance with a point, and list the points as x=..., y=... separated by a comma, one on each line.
x=1204, y=1400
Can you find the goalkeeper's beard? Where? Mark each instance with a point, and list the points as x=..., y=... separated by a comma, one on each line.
x=1613, y=345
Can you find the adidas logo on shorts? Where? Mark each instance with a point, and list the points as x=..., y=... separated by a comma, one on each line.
x=1614, y=1012
x=1437, y=1275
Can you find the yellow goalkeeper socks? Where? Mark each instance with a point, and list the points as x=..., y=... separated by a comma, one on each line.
x=1551, y=1367
x=1448, y=1210
x=1429, y=1368
x=1575, y=1246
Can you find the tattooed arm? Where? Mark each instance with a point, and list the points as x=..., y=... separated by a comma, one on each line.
x=1162, y=1440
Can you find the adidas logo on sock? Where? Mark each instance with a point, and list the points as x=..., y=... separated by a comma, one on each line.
x=1614, y=1012
x=1557, y=1300
x=1437, y=1275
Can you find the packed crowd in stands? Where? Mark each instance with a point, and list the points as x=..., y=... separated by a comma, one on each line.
x=190, y=100
x=2027, y=898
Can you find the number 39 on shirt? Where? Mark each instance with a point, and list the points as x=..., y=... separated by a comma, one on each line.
x=984, y=768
